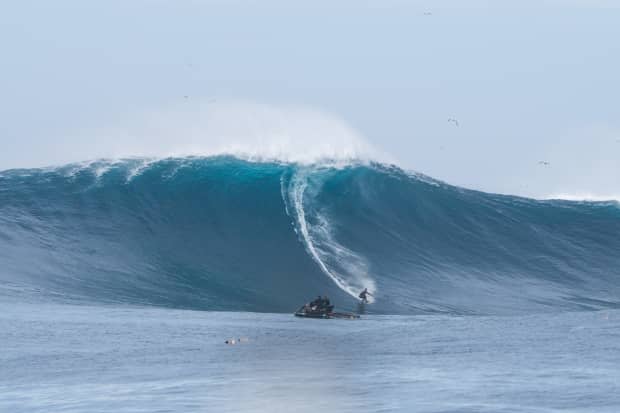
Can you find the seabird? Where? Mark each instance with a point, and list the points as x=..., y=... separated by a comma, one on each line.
x=456, y=122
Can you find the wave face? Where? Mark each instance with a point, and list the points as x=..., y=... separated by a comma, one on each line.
x=221, y=233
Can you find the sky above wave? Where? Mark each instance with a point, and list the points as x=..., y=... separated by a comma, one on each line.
x=526, y=81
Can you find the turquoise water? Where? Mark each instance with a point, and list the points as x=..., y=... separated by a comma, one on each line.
x=221, y=233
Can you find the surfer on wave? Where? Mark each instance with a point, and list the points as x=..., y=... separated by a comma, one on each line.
x=364, y=296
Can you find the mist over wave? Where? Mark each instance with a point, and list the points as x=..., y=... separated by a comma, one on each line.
x=223, y=233
x=247, y=130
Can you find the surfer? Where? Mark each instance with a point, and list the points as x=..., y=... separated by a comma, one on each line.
x=364, y=295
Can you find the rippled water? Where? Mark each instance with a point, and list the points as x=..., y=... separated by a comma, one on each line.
x=63, y=358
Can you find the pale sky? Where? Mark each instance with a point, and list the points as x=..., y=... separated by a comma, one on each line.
x=528, y=81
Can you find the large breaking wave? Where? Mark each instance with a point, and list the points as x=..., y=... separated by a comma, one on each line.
x=221, y=233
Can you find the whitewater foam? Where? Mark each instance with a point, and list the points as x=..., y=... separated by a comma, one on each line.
x=139, y=168
x=319, y=240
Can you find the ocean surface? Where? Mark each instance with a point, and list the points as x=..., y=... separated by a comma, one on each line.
x=120, y=282
x=65, y=358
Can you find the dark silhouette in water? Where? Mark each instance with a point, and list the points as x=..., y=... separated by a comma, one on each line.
x=364, y=295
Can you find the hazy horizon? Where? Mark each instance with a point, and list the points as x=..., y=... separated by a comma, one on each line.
x=527, y=82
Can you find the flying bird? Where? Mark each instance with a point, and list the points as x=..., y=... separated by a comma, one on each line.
x=544, y=163
x=428, y=13
x=456, y=122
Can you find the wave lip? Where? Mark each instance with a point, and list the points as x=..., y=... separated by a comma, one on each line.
x=224, y=233
x=585, y=197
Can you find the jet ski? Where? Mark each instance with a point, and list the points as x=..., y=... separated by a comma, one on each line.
x=322, y=310
x=309, y=313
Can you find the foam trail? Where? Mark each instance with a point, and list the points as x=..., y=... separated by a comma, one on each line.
x=138, y=169
x=320, y=242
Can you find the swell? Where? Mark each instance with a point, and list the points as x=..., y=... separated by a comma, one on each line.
x=225, y=234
